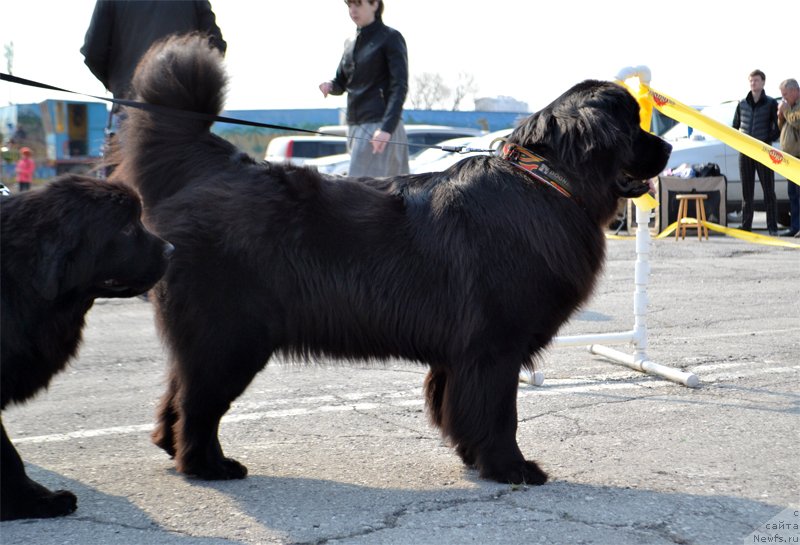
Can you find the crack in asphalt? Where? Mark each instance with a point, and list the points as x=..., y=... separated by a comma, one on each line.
x=392, y=520
x=589, y=405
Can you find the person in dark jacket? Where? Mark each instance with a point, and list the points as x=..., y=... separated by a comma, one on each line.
x=757, y=116
x=121, y=31
x=374, y=73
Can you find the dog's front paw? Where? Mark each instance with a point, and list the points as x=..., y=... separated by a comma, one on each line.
x=43, y=504
x=163, y=438
x=523, y=472
x=57, y=504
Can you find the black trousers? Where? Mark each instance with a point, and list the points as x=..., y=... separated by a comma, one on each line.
x=748, y=168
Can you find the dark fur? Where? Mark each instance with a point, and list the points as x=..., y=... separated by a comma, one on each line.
x=61, y=247
x=470, y=271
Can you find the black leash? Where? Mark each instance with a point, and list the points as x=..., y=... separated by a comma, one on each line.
x=157, y=108
x=188, y=114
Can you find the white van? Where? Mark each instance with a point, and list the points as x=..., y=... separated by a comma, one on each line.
x=297, y=149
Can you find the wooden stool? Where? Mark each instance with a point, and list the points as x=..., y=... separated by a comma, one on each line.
x=700, y=215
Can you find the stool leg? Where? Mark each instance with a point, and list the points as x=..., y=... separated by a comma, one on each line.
x=697, y=208
x=684, y=224
x=703, y=216
x=681, y=204
x=678, y=220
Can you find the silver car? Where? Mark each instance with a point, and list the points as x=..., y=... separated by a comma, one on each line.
x=419, y=137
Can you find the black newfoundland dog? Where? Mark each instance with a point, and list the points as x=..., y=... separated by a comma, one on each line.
x=470, y=271
x=60, y=248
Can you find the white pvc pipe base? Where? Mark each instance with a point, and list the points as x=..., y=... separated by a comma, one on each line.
x=646, y=366
x=638, y=336
x=535, y=378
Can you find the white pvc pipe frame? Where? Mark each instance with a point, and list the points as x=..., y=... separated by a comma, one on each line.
x=638, y=336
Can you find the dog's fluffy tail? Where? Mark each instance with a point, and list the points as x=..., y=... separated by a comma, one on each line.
x=184, y=72
x=179, y=73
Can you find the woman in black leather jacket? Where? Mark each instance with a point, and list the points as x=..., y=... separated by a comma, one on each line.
x=374, y=73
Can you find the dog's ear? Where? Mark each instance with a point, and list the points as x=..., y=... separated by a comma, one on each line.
x=52, y=260
x=585, y=136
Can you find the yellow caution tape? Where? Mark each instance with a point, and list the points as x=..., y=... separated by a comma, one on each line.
x=779, y=161
x=784, y=163
x=636, y=80
x=642, y=96
x=735, y=233
x=646, y=201
x=730, y=231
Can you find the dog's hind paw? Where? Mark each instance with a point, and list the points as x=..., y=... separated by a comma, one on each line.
x=226, y=469
x=524, y=472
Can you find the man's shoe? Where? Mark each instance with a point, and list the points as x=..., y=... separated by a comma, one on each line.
x=735, y=217
x=788, y=233
x=773, y=233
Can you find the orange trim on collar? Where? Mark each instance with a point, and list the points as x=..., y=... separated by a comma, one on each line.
x=534, y=165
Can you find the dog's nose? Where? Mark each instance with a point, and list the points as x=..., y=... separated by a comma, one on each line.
x=169, y=249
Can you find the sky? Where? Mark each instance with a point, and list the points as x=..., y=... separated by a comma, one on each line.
x=700, y=52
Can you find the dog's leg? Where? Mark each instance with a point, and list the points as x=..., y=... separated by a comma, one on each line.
x=480, y=417
x=164, y=436
x=434, y=395
x=435, y=392
x=199, y=453
x=215, y=351
x=21, y=497
x=207, y=385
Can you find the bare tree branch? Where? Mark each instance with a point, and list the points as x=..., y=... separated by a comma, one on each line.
x=465, y=86
x=428, y=91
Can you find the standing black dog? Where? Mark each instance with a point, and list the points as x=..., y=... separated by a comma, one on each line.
x=60, y=248
x=470, y=271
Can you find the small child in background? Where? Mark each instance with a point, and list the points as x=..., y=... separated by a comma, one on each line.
x=25, y=169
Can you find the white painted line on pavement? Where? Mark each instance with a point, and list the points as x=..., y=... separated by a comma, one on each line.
x=551, y=387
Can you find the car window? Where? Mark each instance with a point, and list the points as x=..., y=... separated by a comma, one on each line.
x=310, y=148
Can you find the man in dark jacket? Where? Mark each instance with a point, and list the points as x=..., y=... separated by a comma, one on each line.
x=757, y=116
x=121, y=31
x=374, y=73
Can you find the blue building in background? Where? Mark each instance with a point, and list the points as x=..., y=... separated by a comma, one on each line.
x=64, y=135
x=310, y=119
x=68, y=136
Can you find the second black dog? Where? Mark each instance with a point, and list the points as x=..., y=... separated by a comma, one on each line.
x=61, y=247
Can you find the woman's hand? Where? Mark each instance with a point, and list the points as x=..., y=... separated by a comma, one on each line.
x=379, y=140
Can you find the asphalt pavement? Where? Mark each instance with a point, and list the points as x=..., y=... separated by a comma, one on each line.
x=342, y=454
